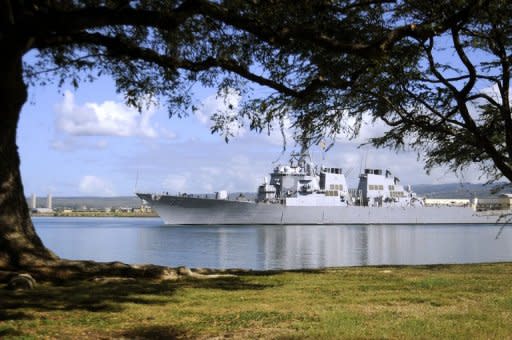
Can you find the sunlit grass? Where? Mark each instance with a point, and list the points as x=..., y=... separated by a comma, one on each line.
x=466, y=301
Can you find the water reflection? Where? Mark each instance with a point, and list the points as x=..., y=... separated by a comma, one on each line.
x=272, y=247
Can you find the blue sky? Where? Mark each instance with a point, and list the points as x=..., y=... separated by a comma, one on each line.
x=87, y=142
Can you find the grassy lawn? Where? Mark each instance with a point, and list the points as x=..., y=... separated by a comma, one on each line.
x=455, y=301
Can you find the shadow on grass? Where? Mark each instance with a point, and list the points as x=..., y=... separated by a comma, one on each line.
x=11, y=315
x=276, y=272
x=92, y=296
x=8, y=331
x=155, y=332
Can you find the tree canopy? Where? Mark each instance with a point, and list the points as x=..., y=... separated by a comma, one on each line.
x=438, y=73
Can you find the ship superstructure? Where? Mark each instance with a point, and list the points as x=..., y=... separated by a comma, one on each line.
x=304, y=184
x=378, y=188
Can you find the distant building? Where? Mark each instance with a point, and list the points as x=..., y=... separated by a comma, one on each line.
x=42, y=211
x=33, y=201
x=506, y=200
x=502, y=202
x=49, y=202
x=461, y=202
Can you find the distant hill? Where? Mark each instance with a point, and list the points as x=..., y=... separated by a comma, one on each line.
x=457, y=190
x=451, y=190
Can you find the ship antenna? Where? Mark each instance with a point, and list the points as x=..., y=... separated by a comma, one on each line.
x=304, y=148
x=365, y=158
x=283, y=134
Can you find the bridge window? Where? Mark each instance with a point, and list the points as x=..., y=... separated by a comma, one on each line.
x=397, y=194
x=331, y=193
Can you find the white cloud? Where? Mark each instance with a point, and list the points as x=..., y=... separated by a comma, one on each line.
x=278, y=135
x=233, y=173
x=227, y=105
x=102, y=119
x=238, y=173
x=95, y=186
x=176, y=182
x=404, y=164
x=369, y=129
x=166, y=133
x=70, y=143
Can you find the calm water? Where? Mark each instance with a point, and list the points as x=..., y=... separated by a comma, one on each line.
x=147, y=240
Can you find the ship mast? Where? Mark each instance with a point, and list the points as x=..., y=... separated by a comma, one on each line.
x=304, y=157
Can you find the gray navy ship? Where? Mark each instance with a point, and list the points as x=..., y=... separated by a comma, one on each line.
x=302, y=193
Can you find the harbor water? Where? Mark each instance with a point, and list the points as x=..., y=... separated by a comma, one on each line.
x=148, y=240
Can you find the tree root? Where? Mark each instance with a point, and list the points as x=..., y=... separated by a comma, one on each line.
x=66, y=270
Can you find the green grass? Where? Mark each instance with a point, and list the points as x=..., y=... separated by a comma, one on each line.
x=456, y=301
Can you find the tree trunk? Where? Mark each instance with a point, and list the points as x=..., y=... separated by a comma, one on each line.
x=20, y=247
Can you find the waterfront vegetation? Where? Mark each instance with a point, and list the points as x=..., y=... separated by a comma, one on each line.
x=444, y=301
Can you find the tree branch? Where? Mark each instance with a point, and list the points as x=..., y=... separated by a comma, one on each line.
x=57, y=21
x=338, y=44
x=488, y=98
x=443, y=118
x=434, y=70
x=465, y=60
x=116, y=46
x=470, y=125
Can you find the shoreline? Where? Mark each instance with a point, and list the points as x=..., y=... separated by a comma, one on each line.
x=94, y=214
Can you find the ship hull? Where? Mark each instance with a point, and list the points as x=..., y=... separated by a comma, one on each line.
x=181, y=210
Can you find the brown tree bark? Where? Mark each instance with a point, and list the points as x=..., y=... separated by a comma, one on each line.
x=20, y=247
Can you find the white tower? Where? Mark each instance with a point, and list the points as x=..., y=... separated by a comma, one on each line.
x=33, y=201
x=49, y=201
